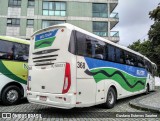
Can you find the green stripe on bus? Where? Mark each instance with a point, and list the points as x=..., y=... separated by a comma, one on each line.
x=44, y=43
x=10, y=75
x=128, y=82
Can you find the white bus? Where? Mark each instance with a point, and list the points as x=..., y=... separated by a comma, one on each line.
x=70, y=67
x=13, y=69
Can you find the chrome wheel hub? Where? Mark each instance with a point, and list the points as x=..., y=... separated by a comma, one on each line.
x=110, y=98
x=12, y=95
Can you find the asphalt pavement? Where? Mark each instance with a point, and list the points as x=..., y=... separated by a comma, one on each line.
x=31, y=112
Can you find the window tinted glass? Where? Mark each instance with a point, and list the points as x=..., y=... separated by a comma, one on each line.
x=45, y=5
x=13, y=22
x=148, y=66
x=6, y=50
x=90, y=47
x=119, y=56
x=99, y=50
x=111, y=53
x=13, y=3
x=72, y=43
x=30, y=22
x=81, y=44
x=31, y=3
x=130, y=59
x=140, y=62
x=13, y=51
x=100, y=10
x=21, y=52
x=127, y=58
x=100, y=28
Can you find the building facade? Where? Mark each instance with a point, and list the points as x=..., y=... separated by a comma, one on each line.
x=20, y=18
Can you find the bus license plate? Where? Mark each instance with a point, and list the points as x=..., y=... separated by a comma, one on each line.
x=43, y=98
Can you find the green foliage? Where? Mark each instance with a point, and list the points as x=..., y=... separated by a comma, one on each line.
x=154, y=32
x=155, y=14
x=145, y=48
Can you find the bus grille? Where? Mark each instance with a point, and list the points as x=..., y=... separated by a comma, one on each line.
x=44, y=60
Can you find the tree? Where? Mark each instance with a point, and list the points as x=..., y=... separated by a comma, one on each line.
x=154, y=35
x=144, y=48
x=154, y=32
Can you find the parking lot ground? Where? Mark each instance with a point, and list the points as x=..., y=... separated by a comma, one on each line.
x=94, y=113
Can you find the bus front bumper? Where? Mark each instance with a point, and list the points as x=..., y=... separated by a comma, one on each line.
x=65, y=101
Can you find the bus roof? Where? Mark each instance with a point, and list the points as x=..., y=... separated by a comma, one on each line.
x=13, y=39
x=72, y=27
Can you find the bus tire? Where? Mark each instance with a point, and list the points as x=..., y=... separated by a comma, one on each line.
x=111, y=98
x=147, y=89
x=11, y=95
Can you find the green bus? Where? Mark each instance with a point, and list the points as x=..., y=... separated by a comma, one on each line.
x=13, y=69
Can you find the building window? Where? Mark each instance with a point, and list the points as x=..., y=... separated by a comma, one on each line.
x=13, y=3
x=13, y=22
x=31, y=3
x=47, y=23
x=100, y=28
x=30, y=23
x=100, y=10
x=54, y=8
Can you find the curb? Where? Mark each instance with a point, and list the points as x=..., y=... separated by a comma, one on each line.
x=136, y=104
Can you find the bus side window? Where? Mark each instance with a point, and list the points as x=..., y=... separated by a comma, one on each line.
x=81, y=44
x=140, y=62
x=111, y=53
x=6, y=50
x=130, y=59
x=89, y=48
x=133, y=60
x=72, y=44
x=119, y=56
x=21, y=52
x=146, y=65
x=99, y=50
x=127, y=59
x=149, y=67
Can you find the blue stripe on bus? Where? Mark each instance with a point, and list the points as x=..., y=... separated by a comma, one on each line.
x=46, y=35
x=135, y=71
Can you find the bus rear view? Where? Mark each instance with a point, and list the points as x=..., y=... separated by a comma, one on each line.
x=49, y=81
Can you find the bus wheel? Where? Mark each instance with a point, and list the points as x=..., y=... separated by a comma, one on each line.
x=11, y=95
x=111, y=98
x=147, y=89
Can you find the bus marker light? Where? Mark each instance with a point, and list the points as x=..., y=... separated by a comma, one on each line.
x=62, y=30
x=78, y=102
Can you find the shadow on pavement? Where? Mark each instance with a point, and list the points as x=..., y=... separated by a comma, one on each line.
x=22, y=101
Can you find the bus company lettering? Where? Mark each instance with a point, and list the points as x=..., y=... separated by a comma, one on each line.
x=140, y=72
x=45, y=35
